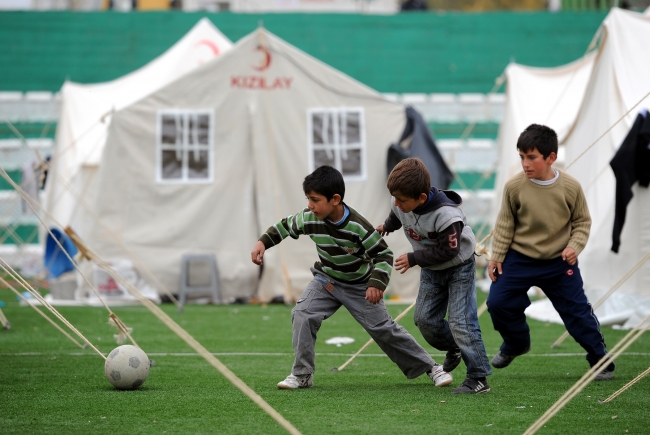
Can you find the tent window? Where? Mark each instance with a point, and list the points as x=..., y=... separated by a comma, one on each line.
x=337, y=138
x=184, y=146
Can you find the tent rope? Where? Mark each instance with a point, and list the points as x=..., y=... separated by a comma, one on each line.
x=61, y=152
x=158, y=313
x=115, y=237
x=4, y=321
x=200, y=349
x=30, y=201
x=22, y=138
x=607, y=131
x=365, y=346
x=601, y=365
x=16, y=277
x=122, y=245
x=23, y=298
x=627, y=386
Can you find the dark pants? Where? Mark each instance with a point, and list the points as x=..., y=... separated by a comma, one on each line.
x=562, y=284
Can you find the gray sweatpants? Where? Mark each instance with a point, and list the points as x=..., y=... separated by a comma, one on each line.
x=323, y=297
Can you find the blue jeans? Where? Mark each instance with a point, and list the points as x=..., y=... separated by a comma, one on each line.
x=452, y=290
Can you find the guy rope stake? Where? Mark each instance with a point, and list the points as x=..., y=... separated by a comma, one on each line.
x=365, y=346
x=9, y=286
x=481, y=309
x=626, y=386
x=16, y=277
x=4, y=322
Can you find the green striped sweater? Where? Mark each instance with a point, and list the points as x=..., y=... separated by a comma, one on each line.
x=352, y=251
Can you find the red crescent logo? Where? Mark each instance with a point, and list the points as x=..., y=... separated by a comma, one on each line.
x=266, y=59
x=211, y=45
x=569, y=272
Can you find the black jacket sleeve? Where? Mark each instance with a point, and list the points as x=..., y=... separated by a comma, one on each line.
x=392, y=223
x=446, y=246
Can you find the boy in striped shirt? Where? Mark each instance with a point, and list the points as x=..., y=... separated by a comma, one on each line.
x=353, y=271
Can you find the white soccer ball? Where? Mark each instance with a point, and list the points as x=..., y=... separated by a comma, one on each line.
x=127, y=367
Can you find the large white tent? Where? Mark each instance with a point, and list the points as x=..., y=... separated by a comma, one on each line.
x=86, y=110
x=603, y=88
x=549, y=96
x=207, y=163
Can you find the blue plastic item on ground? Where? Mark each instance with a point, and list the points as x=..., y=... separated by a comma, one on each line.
x=55, y=259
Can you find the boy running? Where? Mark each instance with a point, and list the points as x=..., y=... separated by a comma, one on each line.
x=443, y=246
x=542, y=227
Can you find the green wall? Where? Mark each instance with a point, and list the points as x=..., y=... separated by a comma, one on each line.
x=410, y=52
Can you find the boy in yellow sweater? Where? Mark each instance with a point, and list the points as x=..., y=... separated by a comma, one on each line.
x=542, y=226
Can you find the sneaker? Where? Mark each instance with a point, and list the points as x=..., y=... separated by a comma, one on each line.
x=502, y=360
x=605, y=375
x=439, y=376
x=300, y=381
x=452, y=359
x=472, y=386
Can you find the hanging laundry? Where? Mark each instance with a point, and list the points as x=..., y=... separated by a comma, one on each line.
x=630, y=164
x=29, y=183
x=417, y=141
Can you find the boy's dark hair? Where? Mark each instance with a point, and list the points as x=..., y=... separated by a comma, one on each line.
x=410, y=178
x=325, y=181
x=538, y=136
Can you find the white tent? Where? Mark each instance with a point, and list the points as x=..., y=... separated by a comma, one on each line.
x=617, y=82
x=85, y=116
x=550, y=96
x=209, y=162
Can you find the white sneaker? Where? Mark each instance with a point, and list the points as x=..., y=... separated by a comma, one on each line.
x=301, y=381
x=440, y=377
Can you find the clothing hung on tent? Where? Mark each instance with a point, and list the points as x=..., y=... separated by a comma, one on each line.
x=29, y=182
x=630, y=164
x=423, y=146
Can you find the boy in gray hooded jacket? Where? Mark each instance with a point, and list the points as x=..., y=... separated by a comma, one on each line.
x=443, y=246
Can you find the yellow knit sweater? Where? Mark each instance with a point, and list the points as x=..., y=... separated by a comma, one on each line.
x=540, y=221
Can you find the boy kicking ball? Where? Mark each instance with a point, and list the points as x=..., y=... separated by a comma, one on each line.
x=542, y=227
x=353, y=270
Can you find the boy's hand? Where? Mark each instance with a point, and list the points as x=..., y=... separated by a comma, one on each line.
x=569, y=255
x=494, y=270
x=380, y=230
x=258, y=253
x=402, y=263
x=374, y=295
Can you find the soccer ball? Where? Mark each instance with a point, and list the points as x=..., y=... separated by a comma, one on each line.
x=127, y=367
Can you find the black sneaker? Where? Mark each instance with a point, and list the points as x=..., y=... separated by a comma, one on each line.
x=502, y=360
x=472, y=386
x=452, y=359
x=605, y=375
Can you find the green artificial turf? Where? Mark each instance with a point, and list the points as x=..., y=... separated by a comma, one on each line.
x=49, y=385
